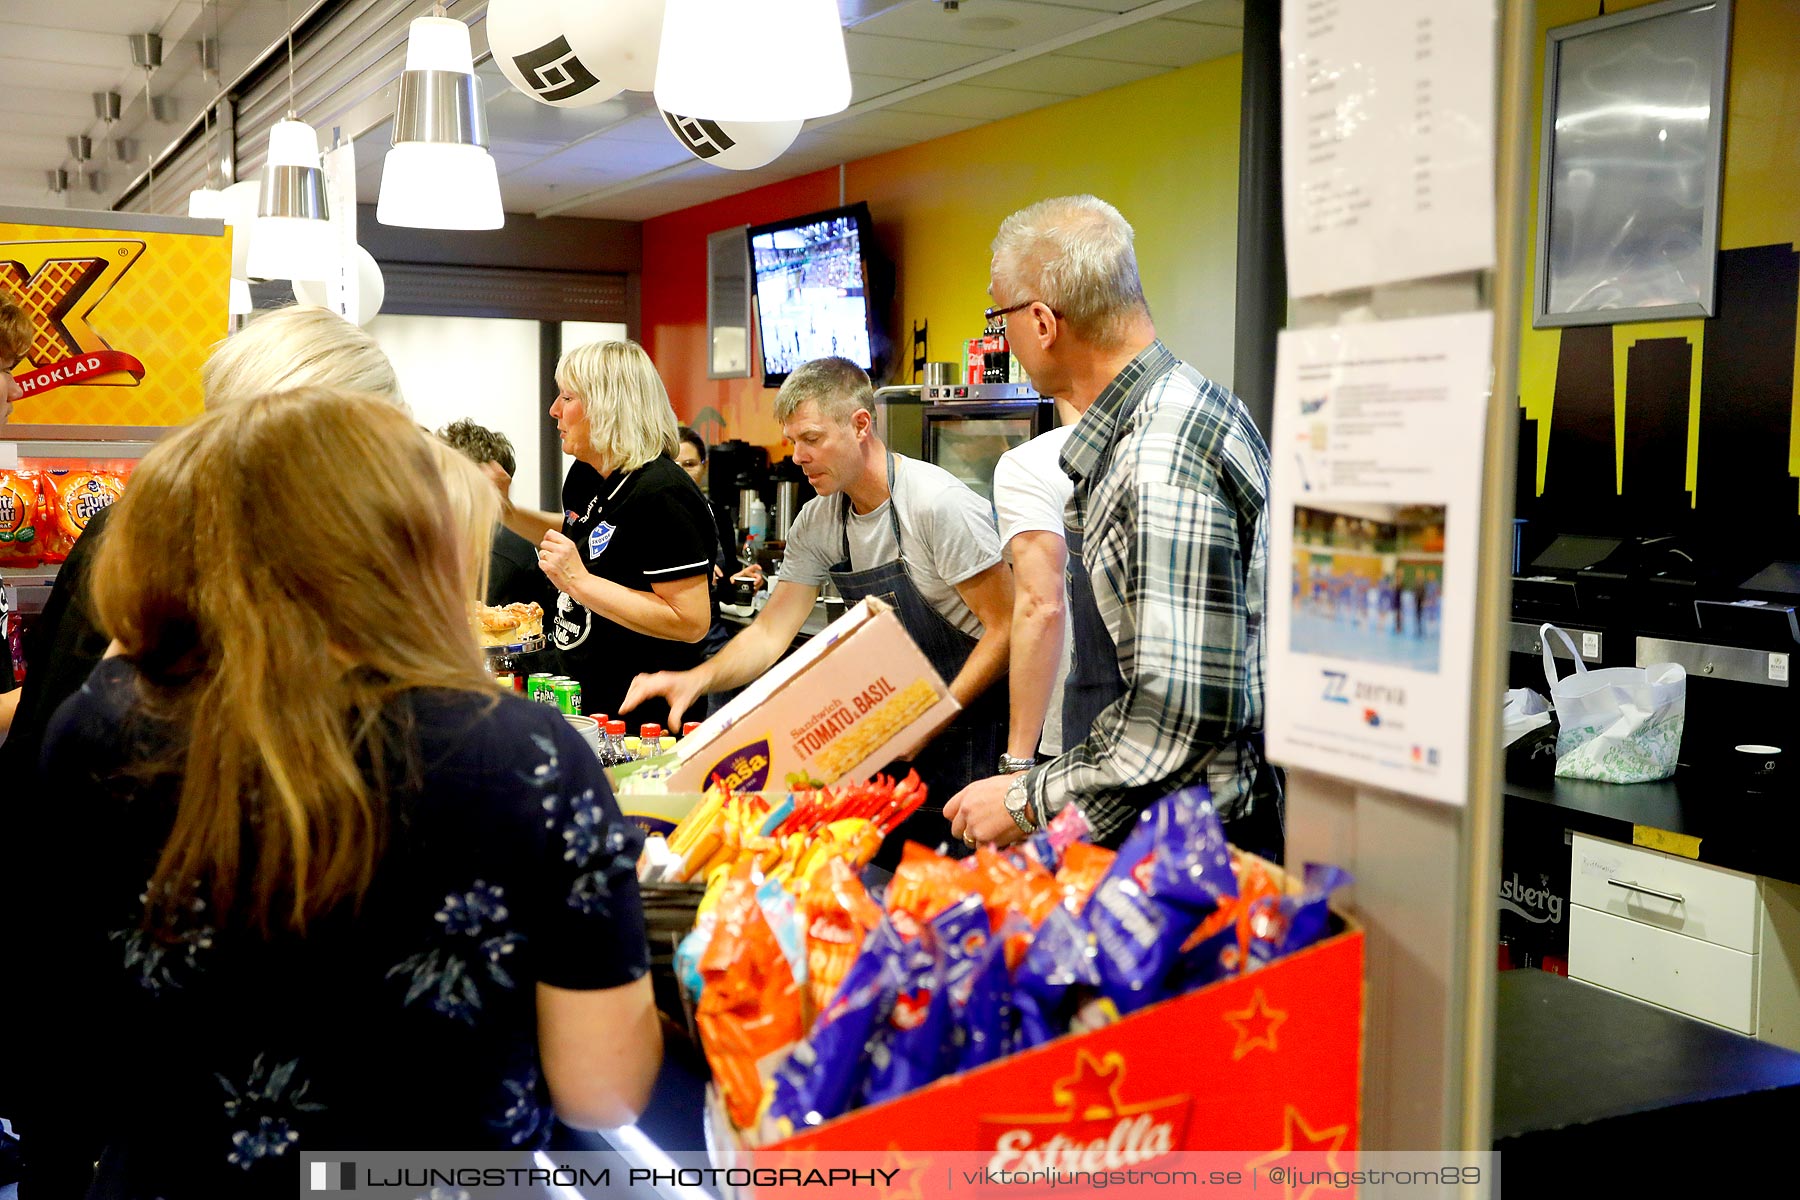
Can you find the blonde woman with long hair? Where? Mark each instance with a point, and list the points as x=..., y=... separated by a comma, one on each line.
x=349, y=896
x=633, y=551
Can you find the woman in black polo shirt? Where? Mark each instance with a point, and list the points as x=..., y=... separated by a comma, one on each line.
x=633, y=559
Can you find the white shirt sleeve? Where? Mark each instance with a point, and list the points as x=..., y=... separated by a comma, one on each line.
x=1024, y=500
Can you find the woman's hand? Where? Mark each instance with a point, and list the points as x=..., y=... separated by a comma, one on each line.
x=561, y=562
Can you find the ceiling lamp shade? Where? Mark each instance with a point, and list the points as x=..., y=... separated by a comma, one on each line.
x=293, y=232
x=778, y=60
x=439, y=175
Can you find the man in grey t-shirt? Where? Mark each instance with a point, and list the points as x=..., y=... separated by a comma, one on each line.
x=885, y=525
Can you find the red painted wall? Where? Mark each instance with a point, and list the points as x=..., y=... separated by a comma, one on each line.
x=673, y=301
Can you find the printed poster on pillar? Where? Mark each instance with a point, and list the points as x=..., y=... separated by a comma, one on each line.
x=1375, y=488
x=121, y=320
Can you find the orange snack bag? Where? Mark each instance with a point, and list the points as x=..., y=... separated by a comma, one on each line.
x=924, y=885
x=75, y=496
x=838, y=915
x=1006, y=887
x=750, y=1011
x=1083, y=867
x=20, y=538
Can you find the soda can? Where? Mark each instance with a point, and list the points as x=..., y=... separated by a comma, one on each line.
x=568, y=697
x=537, y=688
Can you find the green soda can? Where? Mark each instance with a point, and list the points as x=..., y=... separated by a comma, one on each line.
x=568, y=697
x=537, y=688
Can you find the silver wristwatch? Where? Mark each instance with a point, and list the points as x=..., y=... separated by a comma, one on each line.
x=1018, y=806
x=1012, y=766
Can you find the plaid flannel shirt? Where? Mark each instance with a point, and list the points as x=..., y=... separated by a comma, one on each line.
x=1172, y=503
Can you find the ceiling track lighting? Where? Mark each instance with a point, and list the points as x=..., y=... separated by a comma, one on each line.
x=438, y=173
x=81, y=147
x=107, y=106
x=57, y=180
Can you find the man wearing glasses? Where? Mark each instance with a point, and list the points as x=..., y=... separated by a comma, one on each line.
x=1167, y=545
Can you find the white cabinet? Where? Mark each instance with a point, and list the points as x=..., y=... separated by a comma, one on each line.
x=1709, y=942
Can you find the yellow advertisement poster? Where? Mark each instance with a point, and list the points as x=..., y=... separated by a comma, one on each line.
x=125, y=309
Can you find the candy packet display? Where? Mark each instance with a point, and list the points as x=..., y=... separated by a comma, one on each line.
x=1061, y=967
x=825, y=1072
x=74, y=498
x=750, y=1011
x=1083, y=867
x=838, y=916
x=20, y=504
x=962, y=934
x=1293, y=923
x=924, y=885
x=903, y=1050
x=981, y=1005
x=1173, y=871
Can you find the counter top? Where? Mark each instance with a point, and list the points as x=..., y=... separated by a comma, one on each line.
x=1573, y=1062
x=816, y=620
x=1755, y=833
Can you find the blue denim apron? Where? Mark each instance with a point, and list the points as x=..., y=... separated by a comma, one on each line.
x=969, y=747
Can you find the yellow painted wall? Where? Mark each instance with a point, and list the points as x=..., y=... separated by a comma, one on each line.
x=1759, y=198
x=1164, y=150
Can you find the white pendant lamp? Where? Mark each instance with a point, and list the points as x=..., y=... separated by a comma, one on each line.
x=439, y=174
x=293, y=233
x=777, y=60
x=207, y=202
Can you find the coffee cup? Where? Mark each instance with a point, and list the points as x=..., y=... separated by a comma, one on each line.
x=1757, y=766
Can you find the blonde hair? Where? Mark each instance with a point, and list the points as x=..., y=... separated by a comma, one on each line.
x=630, y=420
x=316, y=575
x=294, y=347
x=474, y=507
x=838, y=386
x=15, y=330
x=1075, y=254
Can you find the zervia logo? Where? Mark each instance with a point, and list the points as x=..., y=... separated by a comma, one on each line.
x=60, y=284
x=1539, y=905
x=1337, y=686
x=1093, y=1129
x=331, y=1177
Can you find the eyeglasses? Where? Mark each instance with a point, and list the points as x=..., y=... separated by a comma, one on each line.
x=994, y=314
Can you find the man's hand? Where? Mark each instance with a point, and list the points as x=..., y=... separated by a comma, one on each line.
x=753, y=573
x=679, y=688
x=978, y=815
x=561, y=562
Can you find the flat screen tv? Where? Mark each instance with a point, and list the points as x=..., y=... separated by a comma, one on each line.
x=810, y=276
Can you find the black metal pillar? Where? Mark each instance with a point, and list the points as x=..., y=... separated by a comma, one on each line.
x=1261, y=258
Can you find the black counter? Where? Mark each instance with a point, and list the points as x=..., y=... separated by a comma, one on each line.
x=1757, y=833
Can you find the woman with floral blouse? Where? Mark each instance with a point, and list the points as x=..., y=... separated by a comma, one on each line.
x=331, y=890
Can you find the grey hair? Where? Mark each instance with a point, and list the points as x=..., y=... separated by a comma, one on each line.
x=294, y=347
x=1075, y=254
x=629, y=415
x=837, y=385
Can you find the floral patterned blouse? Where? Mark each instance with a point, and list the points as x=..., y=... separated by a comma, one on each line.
x=217, y=1055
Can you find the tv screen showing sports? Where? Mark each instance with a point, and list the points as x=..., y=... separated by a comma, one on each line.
x=812, y=290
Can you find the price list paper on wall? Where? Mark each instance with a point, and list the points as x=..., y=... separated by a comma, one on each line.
x=1387, y=111
x=1374, y=511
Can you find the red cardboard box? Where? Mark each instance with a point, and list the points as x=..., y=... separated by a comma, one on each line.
x=1266, y=1067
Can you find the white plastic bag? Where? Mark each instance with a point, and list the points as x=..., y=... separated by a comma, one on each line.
x=1617, y=725
x=1524, y=711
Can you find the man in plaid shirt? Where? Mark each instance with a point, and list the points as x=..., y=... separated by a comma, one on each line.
x=1170, y=511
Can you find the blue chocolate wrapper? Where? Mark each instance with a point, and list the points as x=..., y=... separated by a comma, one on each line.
x=903, y=1050
x=1296, y=922
x=823, y=1073
x=983, y=1004
x=961, y=932
x=1171, y=873
x=1061, y=960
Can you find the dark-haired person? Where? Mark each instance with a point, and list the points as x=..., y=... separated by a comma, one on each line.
x=690, y=456
x=513, y=574
x=388, y=908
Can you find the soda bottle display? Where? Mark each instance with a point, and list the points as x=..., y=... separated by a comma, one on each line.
x=615, y=733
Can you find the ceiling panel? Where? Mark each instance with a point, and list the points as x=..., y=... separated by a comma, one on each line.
x=1060, y=72
x=999, y=24
x=23, y=73
x=912, y=127
x=907, y=59
x=982, y=103
x=1161, y=43
x=36, y=43
x=867, y=87
x=1212, y=12
x=94, y=16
